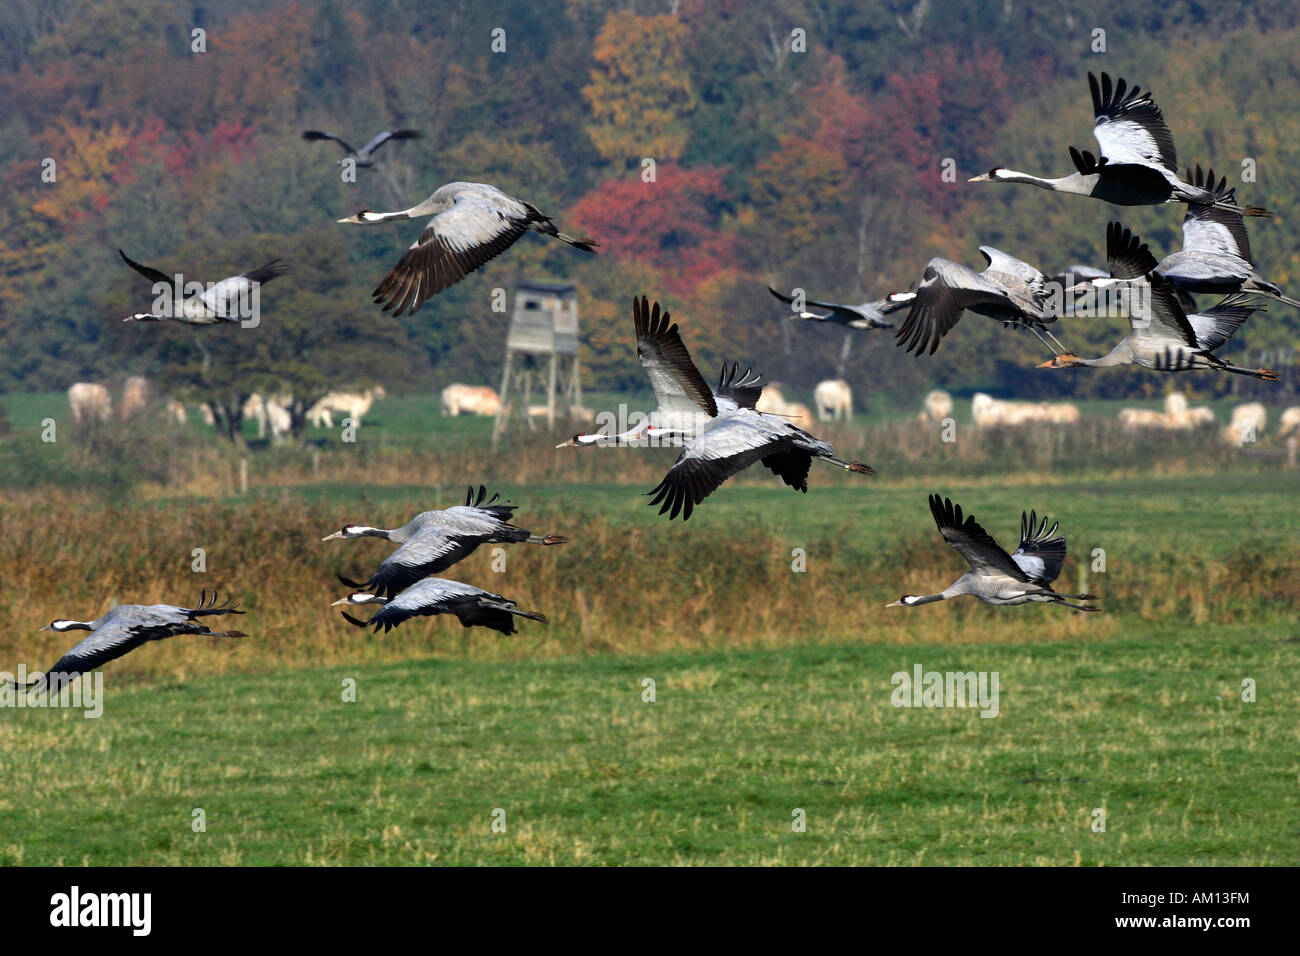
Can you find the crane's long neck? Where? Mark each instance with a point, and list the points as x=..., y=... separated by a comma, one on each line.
x=635, y=433
x=1074, y=183
x=364, y=531
x=956, y=589
x=926, y=599
x=1121, y=354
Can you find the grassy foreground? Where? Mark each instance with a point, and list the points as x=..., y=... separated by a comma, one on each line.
x=1151, y=729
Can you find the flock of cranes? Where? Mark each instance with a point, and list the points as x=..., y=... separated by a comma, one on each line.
x=719, y=430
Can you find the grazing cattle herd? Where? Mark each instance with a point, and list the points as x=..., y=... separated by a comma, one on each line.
x=92, y=402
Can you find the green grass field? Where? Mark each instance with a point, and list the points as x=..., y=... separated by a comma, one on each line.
x=1151, y=729
x=773, y=688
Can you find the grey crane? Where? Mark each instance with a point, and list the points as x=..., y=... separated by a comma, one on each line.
x=365, y=156
x=1009, y=290
x=223, y=301
x=1138, y=165
x=868, y=315
x=1215, y=256
x=471, y=224
x=1162, y=337
x=433, y=541
x=1023, y=577
x=720, y=430
x=473, y=606
x=125, y=628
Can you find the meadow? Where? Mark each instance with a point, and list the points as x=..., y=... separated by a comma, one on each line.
x=772, y=683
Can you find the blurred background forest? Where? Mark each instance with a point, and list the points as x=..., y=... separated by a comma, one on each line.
x=817, y=168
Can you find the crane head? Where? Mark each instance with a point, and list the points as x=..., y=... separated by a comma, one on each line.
x=359, y=217
x=906, y=600
x=360, y=597
x=992, y=176
x=1064, y=360
x=61, y=625
x=577, y=441
x=353, y=531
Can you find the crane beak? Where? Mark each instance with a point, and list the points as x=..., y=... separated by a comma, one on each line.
x=894, y=604
x=981, y=178
x=356, y=218
x=331, y=537
x=47, y=627
x=338, y=602
x=566, y=444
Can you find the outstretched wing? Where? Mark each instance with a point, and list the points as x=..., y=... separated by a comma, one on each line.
x=153, y=275
x=743, y=389
x=1129, y=126
x=1210, y=229
x=1040, y=554
x=104, y=644
x=381, y=138
x=313, y=135
x=945, y=291
x=1216, y=325
x=428, y=552
x=1127, y=256
x=224, y=298
x=707, y=461
x=678, y=385
x=972, y=542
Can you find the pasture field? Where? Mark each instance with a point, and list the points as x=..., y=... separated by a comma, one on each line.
x=772, y=684
x=1149, y=727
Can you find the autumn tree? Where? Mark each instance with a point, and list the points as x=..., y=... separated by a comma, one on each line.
x=640, y=91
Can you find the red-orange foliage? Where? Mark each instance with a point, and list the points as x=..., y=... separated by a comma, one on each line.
x=668, y=224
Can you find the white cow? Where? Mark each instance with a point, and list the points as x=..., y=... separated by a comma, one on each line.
x=937, y=407
x=348, y=404
x=475, y=399
x=278, y=418
x=255, y=409
x=135, y=395
x=90, y=402
x=1135, y=418
x=834, y=400
x=1247, y=425
x=989, y=412
x=174, y=410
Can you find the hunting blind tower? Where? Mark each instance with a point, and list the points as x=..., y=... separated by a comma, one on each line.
x=543, y=339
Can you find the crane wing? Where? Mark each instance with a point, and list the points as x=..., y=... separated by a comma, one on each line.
x=1127, y=256
x=456, y=242
x=1209, y=229
x=972, y=542
x=1129, y=126
x=314, y=135
x=679, y=387
x=1040, y=555
x=428, y=552
x=946, y=289
x=1164, y=315
x=708, y=460
x=106, y=643
x=153, y=275
x=743, y=389
x=1216, y=325
x=223, y=298
x=381, y=138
